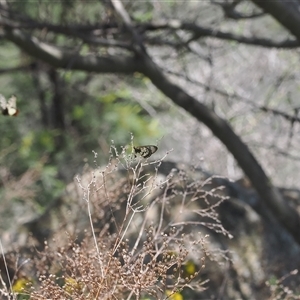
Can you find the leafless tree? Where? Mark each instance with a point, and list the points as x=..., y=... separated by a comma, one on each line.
x=128, y=46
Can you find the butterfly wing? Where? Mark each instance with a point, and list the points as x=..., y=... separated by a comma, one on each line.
x=145, y=151
x=11, y=106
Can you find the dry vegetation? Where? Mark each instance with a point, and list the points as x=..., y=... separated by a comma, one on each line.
x=143, y=239
x=129, y=230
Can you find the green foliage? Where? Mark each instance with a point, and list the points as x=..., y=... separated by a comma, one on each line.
x=122, y=116
x=36, y=142
x=91, y=120
x=51, y=186
x=96, y=110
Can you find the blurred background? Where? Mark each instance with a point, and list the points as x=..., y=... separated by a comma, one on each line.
x=246, y=75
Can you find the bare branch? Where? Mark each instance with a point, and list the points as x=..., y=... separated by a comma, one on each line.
x=200, y=32
x=61, y=58
x=221, y=129
x=285, y=12
x=119, y=8
x=91, y=33
x=229, y=9
x=16, y=69
x=276, y=112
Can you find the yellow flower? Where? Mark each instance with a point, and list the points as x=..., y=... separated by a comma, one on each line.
x=190, y=268
x=174, y=296
x=21, y=284
x=71, y=285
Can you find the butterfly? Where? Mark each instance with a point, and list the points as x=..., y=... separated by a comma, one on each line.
x=9, y=107
x=145, y=151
